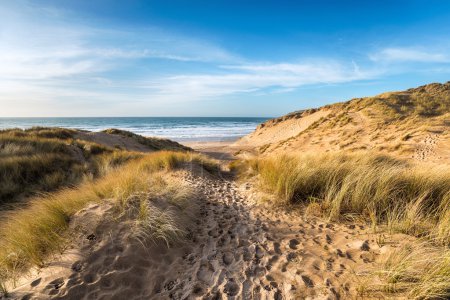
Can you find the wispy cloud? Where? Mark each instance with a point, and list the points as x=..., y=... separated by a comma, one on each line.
x=46, y=43
x=410, y=55
x=47, y=57
x=283, y=77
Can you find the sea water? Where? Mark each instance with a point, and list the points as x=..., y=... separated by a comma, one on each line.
x=175, y=128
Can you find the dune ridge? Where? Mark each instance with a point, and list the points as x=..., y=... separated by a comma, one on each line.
x=410, y=124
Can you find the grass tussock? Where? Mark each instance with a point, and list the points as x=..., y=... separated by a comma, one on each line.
x=411, y=198
x=162, y=222
x=418, y=270
x=29, y=235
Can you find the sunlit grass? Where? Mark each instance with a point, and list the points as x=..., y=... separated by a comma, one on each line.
x=412, y=198
x=45, y=159
x=419, y=270
x=30, y=234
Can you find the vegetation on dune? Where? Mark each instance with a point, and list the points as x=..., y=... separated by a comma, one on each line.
x=394, y=122
x=410, y=198
x=424, y=102
x=419, y=270
x=404, y=197
x=432, y=100
x=42, y=132
x=58, y=174
x=28, y=235
x=154, y=223
x=398, y=108
x=45, y=159
x=151, y=142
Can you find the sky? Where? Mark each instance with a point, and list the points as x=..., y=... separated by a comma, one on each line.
x=213, y=58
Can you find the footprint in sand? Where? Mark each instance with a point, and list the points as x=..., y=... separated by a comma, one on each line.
x=293, y=244
x=234, y=249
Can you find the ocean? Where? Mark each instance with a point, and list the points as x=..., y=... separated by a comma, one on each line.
x=182, y=129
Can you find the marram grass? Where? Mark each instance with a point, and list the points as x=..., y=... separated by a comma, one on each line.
x=30, y=234
x=413, y=198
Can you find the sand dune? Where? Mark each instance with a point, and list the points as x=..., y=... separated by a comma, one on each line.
x=280, y=129
x=116, y=138
x=409, y=124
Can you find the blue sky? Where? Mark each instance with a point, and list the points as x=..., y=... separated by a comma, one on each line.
x=213, y=58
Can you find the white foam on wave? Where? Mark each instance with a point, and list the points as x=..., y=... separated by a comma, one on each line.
x=179, y=129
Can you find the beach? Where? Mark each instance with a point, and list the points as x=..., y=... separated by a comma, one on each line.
x=223, y=150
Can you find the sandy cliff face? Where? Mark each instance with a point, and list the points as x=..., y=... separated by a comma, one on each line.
x=414, y=123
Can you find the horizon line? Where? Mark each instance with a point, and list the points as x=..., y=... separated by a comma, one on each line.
x=47, y=117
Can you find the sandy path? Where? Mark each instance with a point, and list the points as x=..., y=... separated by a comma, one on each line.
x=236, y=249
x=247, y=251
x=222, y=150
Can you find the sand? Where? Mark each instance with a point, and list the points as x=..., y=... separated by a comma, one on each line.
x=235, y=248
x=222, y=150
x=278, y=130
x=359, y=125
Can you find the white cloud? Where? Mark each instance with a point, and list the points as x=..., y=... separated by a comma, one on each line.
x=42, y=43
x=284, y=77
x=48, y=58
x=409, y=55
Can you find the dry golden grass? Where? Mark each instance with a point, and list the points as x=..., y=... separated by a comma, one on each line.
x=157, y=223
x=418, y=270
x=407, y=197
x=411, y=198
x=30, y=234
x=42, y=132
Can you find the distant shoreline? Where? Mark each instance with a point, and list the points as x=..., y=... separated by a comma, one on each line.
x=222, y=150
x=180, y=129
